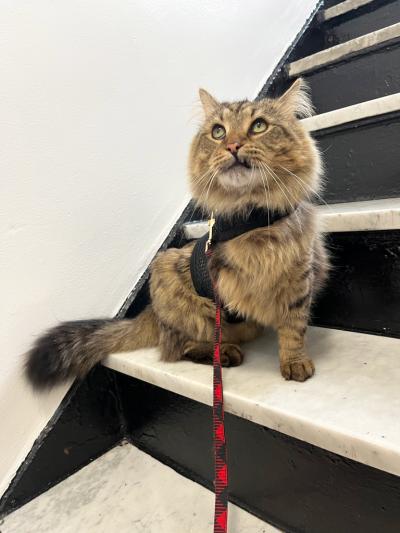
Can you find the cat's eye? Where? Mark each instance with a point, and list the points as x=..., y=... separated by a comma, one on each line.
x=218, y=132
x=258, y=126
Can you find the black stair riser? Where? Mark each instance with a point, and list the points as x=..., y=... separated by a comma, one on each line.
x=356, y=79
x=363, y=293
x=362, y=160
x=355, y=23
x=289, y=483
x=330, y=3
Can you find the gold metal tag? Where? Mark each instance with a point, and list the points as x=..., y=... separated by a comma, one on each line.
x=210, y=223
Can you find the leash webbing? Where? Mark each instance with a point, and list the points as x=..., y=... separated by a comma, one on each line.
x=220, y=453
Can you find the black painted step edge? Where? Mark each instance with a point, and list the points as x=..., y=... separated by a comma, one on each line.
x=272, y=475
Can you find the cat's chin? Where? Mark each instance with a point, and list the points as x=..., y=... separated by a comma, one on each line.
x=237, y=177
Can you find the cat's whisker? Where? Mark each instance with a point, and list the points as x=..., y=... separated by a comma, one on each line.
x=206, y=177
x=199, y=179
x=211, y=182
x=207, y=187
x=269, y=194
x=309, y=193
x=279, y=183
x=275, y=178
x=326, y=149
x=199, y=202
x=288, y=190
x=264, y=180
x=301, y=181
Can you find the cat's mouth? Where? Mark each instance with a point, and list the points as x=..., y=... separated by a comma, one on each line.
x=238, y=163
x=236, y=174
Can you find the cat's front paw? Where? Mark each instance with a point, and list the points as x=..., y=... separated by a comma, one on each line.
x=298, y=370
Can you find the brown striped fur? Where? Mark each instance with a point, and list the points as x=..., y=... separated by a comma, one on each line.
x=268, y=275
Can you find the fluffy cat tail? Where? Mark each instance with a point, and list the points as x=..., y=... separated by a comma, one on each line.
x=71, y=349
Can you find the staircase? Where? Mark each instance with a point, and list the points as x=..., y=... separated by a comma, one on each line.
x=322, y=456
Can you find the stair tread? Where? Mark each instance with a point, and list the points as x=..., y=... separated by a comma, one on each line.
x=126, y=490
x=361, y=216
x=368, y=215
x=351, y=113
x=350, y=407
x=343, y=7
x=341, y=51
x=344, y=22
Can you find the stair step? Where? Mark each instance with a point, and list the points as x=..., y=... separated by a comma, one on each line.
x=368, y=17
x=362, y=157
x=363, y=290
x=338, y=53
x=126, y=491
x=352, y=216
x=356, y=112
x=340, y=78
x=372, y=215
x=350, y=407
x=344, y=22
x=343, y=7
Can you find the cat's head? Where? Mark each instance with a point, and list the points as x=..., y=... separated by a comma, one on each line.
x=254, y=153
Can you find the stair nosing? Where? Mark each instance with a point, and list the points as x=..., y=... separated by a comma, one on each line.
x=256, y=392
x=343, y=8
x=339, y=52
x=344, y=115
x=369, y=215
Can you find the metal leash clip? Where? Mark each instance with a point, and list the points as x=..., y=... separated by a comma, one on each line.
x=210, y=223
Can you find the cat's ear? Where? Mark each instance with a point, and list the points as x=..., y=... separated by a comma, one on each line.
x=296, y=100
x=208, y=102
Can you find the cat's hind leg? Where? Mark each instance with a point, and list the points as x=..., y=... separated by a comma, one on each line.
x=174, y=345
x=203, y=352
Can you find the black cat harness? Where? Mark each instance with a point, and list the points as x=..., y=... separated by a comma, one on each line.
x=224, y=229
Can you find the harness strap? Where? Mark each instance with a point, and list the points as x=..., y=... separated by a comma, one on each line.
x=227, y=228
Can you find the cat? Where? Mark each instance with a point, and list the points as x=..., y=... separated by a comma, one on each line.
x=246, y=156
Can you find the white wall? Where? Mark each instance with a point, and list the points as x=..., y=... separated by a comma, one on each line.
x=96, y=100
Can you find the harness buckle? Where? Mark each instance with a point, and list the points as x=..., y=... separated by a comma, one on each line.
x=210, y=223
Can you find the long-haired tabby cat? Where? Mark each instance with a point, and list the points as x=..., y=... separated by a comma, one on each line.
x=246, y=156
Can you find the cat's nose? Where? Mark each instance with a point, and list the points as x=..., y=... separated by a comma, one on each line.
x=233, y=147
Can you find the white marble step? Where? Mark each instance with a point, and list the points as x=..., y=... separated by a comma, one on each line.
x=350, y=407
x=344, y=115
x=343, y=50
x=352, y=216
x=126, y=491
x=342, y=8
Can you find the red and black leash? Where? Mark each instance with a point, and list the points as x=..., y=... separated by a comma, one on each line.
x=220, y=455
